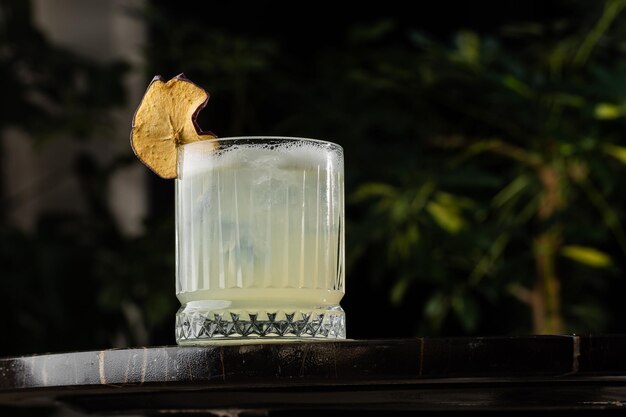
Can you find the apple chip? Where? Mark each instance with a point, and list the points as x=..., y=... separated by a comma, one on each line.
x=165, y=120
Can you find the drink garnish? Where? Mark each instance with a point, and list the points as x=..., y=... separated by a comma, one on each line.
x=165, y=120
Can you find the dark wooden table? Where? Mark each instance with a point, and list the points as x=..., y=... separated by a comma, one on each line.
x=511, y=373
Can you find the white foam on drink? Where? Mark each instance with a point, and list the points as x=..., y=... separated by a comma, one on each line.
x=200, y=156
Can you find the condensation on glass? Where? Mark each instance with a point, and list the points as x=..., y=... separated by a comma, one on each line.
x=259, y=240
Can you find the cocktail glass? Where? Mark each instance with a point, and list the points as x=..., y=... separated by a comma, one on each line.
x=259, y=240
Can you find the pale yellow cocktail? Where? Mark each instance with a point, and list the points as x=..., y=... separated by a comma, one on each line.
x=260, y=246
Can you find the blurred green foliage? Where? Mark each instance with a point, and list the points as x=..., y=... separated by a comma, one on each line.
x=484, y=172
x=58, y=283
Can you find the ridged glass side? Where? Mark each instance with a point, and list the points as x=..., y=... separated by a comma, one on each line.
x=260, y=226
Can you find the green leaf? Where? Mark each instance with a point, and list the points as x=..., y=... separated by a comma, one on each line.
x=398, y=291
x=517, y=86
x=513, y=189
x=612, y=9
x=466, y=310
x=587, y=256
x=436, y=309
x=404, y=242
x=608, y=111
x=400, y=210
x=373, y=190
x=422, y=196
x=487, y=261
x=468, y=44
x=500, y=147
x=447, y=218
x=451, y=200
x=412, y=233
x=617, y=152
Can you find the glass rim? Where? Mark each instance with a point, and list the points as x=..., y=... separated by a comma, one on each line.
x=262, y=138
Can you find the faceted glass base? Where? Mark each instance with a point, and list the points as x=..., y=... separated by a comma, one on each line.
x=194, y=326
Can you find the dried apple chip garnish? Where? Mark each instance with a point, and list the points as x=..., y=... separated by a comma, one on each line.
x=165, y=120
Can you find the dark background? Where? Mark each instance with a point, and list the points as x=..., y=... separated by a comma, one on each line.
x=484, y=144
